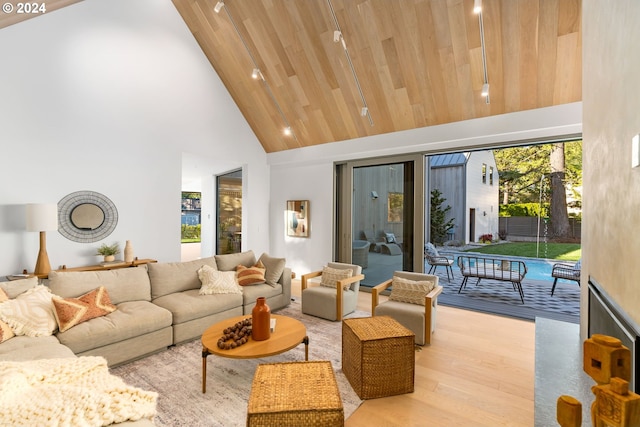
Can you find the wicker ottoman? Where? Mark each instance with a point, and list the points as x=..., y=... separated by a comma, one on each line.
x=295, y=394
x=378, y=356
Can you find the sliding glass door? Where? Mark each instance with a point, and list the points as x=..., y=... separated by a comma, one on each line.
x=379, y=216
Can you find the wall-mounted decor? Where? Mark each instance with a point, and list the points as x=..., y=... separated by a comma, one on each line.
x=298, y=218
x=86, y=216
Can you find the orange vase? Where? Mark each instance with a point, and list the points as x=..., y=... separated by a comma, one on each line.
x=261, y=320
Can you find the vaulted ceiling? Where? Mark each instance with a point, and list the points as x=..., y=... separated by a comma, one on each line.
x=418, y=62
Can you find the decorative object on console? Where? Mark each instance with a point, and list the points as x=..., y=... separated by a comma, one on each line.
x=41, y=218
x=261, y=320
x=86, y=216
x=128, y=251
x=109, y=251
x=297, y=218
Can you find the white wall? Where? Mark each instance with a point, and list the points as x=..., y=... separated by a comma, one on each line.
x=611, y=188
x=307, y=173
x=109, y=96
x=483, y=197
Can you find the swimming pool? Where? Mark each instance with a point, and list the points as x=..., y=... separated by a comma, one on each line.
x=537, y=268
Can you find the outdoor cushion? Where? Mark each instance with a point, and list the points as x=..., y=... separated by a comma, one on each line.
x=430, y=249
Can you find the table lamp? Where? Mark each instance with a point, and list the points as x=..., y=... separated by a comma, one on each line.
x=42, y=217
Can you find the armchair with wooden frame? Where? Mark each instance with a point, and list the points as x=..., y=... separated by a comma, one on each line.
x=328, y=302
x=419, y=318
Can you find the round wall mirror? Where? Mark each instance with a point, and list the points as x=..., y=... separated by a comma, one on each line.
x=86, y=216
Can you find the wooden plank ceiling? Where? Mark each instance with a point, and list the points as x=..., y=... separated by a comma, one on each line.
x=419, y=62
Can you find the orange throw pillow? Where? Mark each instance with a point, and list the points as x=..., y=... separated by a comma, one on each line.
x=251, y=275
x=73, y=311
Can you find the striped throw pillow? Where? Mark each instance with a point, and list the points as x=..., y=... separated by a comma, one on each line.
x=250, y=275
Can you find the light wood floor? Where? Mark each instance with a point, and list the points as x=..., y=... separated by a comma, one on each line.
x=478, y=371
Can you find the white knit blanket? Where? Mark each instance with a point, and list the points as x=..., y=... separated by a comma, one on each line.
x=69, y=392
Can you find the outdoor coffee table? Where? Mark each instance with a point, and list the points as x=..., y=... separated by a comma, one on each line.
x=289, y=333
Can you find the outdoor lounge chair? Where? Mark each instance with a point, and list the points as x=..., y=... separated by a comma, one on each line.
x=383, y=244
x=434, y=259
x=565, y=271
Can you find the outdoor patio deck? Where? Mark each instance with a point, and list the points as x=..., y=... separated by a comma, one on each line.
x=490, y=296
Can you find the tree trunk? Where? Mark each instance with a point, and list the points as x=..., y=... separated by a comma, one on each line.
x=559, y=215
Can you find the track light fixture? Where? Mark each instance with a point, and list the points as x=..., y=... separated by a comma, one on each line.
x=339, y=37
x=485, y=89
x=477, y=6
x=256, y=73
x=485, y=86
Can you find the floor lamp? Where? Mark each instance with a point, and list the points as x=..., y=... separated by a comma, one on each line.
x=42, y=217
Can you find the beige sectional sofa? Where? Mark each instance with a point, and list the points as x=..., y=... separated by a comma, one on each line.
x=158, y=305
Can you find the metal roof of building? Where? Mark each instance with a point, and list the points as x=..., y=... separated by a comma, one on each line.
x=445, y=160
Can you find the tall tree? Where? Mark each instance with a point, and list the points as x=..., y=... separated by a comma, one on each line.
x=559, y=215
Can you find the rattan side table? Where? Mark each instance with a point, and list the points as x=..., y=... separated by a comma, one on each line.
x=295, y=394
x=378, y=356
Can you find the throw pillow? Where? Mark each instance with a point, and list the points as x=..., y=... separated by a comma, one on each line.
x=275, y=268
x=411, y=291
x=330, y=276
x=5, y=330
x=217, y=282
x=430, y=249
x=14, y=288
x=73, y=311
x=391, y=238
x=250, y=275
x=30, y=313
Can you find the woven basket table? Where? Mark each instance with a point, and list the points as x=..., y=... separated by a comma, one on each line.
x=378, y=356
x=295, y=394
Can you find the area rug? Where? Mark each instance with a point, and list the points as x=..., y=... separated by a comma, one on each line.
x=176, y=374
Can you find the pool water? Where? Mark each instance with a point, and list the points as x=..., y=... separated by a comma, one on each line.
x=537, y=268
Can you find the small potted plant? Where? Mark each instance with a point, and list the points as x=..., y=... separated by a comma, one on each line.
x=109, y=251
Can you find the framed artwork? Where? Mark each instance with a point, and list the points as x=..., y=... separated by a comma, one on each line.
x=298, y=218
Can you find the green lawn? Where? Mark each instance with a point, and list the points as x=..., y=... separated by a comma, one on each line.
x=559, y=251
x=185, y=240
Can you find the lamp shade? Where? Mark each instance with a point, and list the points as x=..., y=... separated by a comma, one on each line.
x=42, y=216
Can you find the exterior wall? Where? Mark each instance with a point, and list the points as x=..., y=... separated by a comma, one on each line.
x=451, y=183
x=482, y=196
x=611, y=188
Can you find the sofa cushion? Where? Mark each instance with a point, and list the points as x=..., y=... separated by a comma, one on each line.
x=190, y=305
x=251, y=293
x=217, y=282
x=73, y=311
x=275, y=267
x=30, y=313
x=229, y=262
x=410, y=291
x=250, y=275
x=30, y=348
x=5, y=330
x=124, y=284
x=131, y=319
x=169, y=277
x=16, y=287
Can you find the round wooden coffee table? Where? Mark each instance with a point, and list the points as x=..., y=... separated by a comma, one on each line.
x=289, y=333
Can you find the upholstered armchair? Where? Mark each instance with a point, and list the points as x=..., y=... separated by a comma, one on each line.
x=332, y=292
x=413, y=302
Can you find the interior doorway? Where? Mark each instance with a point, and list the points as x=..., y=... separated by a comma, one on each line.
x=229, y=215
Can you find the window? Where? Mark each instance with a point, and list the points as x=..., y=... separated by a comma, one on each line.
x=190, y=221
x=490, y=175
x=484, y=173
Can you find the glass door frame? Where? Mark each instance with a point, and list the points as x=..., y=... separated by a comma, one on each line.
x=343, y=209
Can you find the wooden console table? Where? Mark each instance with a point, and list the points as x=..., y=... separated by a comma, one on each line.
x=104, y=266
